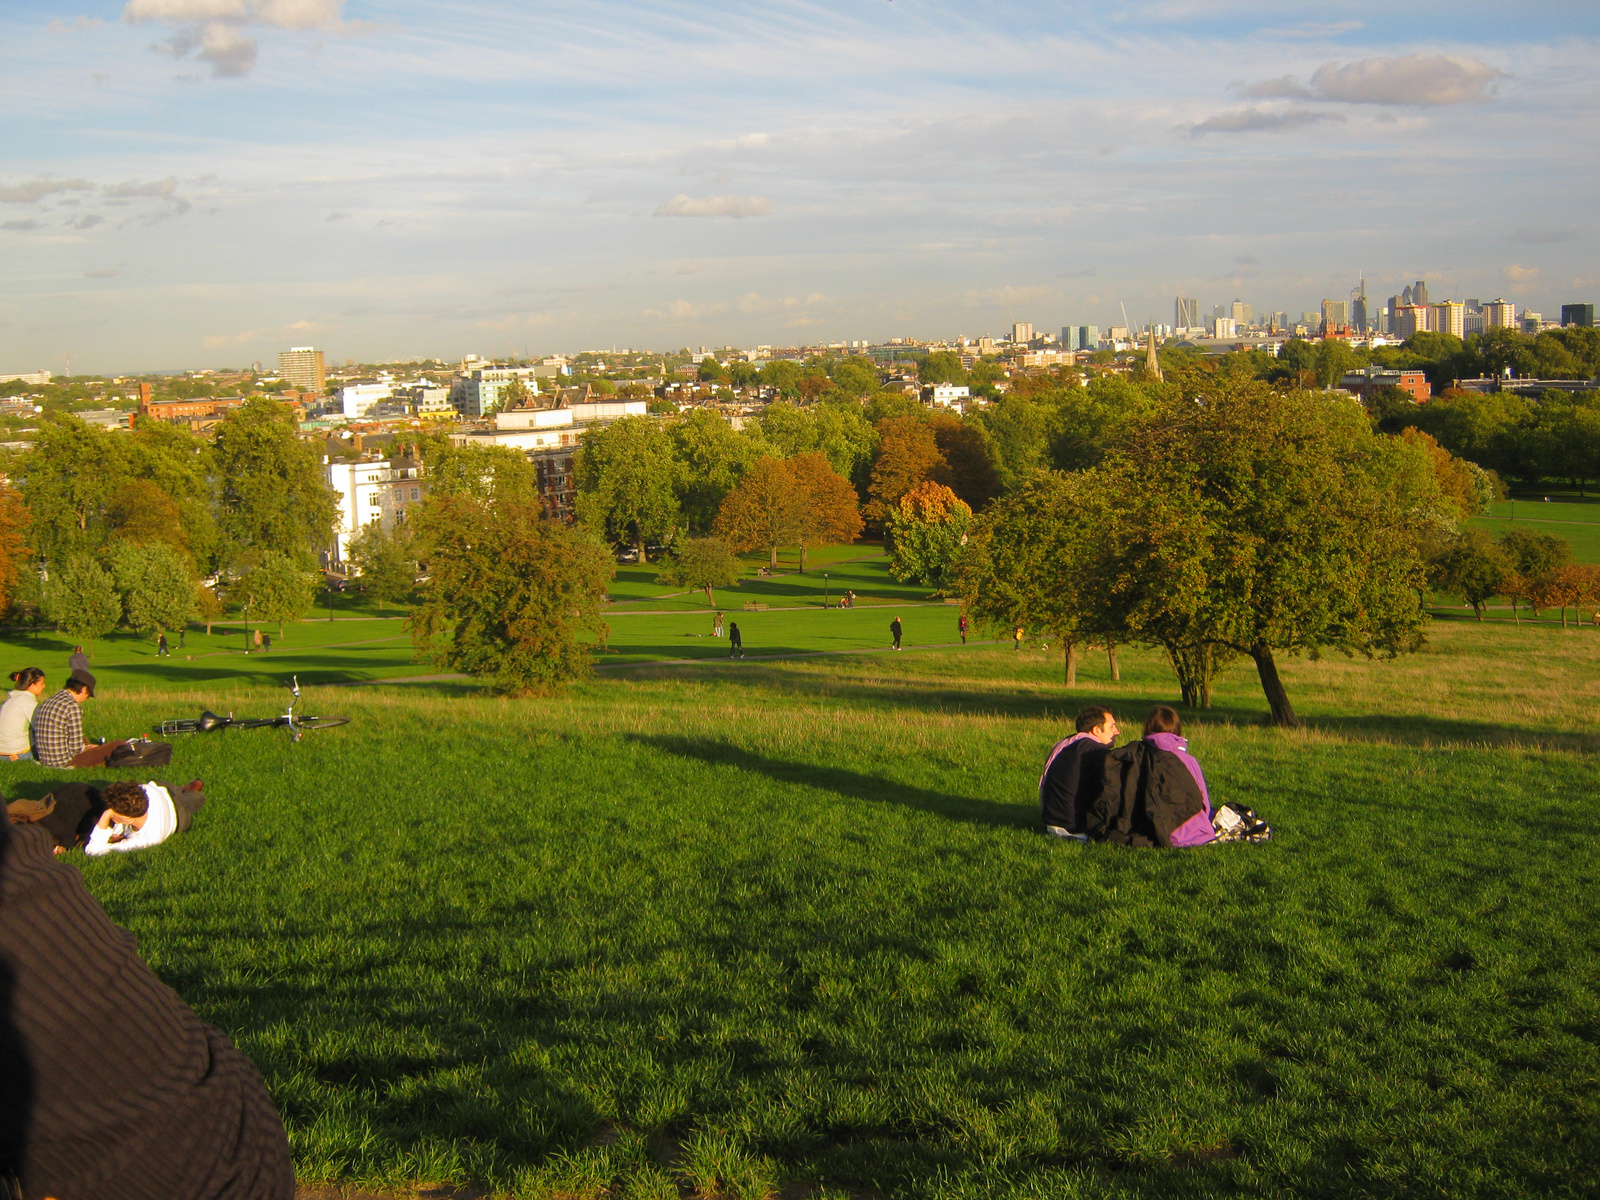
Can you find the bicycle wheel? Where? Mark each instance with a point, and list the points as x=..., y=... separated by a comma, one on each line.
x=320, y=722
x=167, y=728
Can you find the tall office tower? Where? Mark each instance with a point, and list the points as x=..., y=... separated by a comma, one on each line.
x=1419, y=293
x=1241, y=313
x=1021, y=333
x=1358, y=308
x=1186, y=312
x=1220, y=310
x=303, y=367
x=1088, y=337
x=1335, y=315
x=1450, y=316
x=1405, y=295
x=1499, y=314
x=1581, y=315
x=1069, y=337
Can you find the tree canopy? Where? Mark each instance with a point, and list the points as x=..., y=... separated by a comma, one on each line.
x=627, y=482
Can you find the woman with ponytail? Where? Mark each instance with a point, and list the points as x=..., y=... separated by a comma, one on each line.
x=16, y=714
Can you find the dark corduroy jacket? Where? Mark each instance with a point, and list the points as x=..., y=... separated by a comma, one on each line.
x=1148, y=794
x=110, y=1087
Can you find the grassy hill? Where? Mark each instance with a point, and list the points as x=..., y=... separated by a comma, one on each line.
x=787, y=925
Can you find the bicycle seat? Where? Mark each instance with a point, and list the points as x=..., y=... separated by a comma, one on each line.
x=209, y=721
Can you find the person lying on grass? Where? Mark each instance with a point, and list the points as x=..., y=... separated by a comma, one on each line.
x=1075, y=773
x=1154, y=792
x=140, y=815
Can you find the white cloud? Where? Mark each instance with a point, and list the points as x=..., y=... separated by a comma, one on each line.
x=103, y=273
x=214, y=30
x=21, y=226
x=1415, y=79
x=715, y=206
x=37, y=189
x=1519, y=274
x=1312, y=30
x=156, y=187
x=683, y=310
x=77, y=26
x=1255, y=120
x=87, y=221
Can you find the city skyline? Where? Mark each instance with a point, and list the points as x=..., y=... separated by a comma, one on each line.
x=392, y=179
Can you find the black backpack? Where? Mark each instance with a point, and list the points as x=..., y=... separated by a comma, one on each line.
x=141, y=754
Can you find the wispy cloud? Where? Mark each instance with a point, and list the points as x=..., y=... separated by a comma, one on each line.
x=213, y=31
x=1415, y=79
x=35, y=190
x=1543, y=237
x=716, y=206
x=79, y=25
x=1520, y=274
x=1255, y=120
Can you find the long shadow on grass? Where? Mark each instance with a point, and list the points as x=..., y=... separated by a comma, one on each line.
x=844, y=783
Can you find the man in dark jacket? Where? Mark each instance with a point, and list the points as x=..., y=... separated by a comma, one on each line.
x=110, y=1087
x=1074, y=773
x=894, y=631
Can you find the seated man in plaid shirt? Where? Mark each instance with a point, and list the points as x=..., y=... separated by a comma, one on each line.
x=58, y=728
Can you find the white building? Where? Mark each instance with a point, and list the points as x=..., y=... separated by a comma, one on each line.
x=476, y=391
x=946, y=395
x=360, y=398
x=372, y=490
x=543, y=428
x=37, y=377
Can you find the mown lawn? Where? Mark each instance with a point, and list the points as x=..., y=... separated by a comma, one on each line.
x=787, y=926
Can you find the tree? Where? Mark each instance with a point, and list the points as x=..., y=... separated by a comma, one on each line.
x=386, y=562
x=1471, y=563
x=942, y=366
x=967, y=450
x=928, y=528
x=703, y=564
x=829, y=512
x=764, y=511
x=15, y=564
x=496, y=473
x=908, y=454
x=511, y=597
x=856, y=377
x=277, y=588
x=1018, y=430
x=514, y=395
x=141, y=514
x=273, y=498
x=81, y=598
x=712, y=457
x=155, y=583
x=208, y=605
x=627, y=482
x=1334, y=358
x=69, y=475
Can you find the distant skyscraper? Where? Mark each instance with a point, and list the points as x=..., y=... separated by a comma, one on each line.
x=1405, y=296
x=1358, y=308
x=303, y=367
x=1186, y=312
x=1088, y=337
x=1419, y=292
x=1335, y=315
x=1241, y=313
x=1411, y=318
x=1021, y=333
x=1578, y=314
x=1499, y=314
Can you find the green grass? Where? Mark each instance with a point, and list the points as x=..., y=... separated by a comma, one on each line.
x=766, y=926
x=1566, y=515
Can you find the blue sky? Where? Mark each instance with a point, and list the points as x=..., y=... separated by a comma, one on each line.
x=191, y=183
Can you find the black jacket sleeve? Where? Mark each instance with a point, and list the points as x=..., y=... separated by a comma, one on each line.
x=1072, y=785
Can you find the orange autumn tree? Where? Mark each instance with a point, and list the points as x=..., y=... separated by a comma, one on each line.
x=782, y=502
x=928, y=528
x=908, y=454
x=829, y=512
x=14, y=521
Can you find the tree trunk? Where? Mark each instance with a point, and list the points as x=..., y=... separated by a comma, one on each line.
x=1072, y=663
x=1277, y=698
x=772, y=558
x=639, y=545
x=802, y=558
x=1477, y=611
x=1111, y=657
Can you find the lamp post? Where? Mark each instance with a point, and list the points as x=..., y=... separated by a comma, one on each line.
x=824, y=589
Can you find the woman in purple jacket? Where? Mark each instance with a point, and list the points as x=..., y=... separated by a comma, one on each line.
x=1163, y=729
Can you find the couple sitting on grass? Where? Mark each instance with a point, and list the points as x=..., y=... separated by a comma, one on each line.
x=1148, y=793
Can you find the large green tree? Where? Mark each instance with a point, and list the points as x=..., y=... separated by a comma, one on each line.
x=81, y=598
x=386, y=561
x=928, y=530
x=273, y=496
x=156, y=584
x=511, y=597
x=702, y=564
x=627, y=482
x=277, y=588
x=712, y=457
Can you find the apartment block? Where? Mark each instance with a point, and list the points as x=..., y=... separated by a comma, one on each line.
x=304, y=367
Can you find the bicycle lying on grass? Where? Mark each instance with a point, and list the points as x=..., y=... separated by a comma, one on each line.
x=208, y=721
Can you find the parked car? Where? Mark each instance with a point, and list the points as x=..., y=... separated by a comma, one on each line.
x=628, y=556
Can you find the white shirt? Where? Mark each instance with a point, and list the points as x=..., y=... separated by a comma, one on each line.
x=161, y=822
x=16, y=719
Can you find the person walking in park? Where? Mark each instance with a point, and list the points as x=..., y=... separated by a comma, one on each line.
x=735, y=642
x=181, y=634
x=161, y=647
x=258, y=639
x=16, y=714
x=961, y=627
x=266, y=641
x=716, y=625
x=1016, y=638
x=78, y=664
x=895, y=630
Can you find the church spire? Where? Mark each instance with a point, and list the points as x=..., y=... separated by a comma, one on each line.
x=1152, y=365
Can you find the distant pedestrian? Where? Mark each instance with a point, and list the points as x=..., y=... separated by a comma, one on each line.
x=161, y=646
x=961, y=625
x=1016, y=637
x=266, y=642
x=78, y=664
x=735, y=642
x=258, y=639
x=716, y=625
x=894, y=630
x=181, y=633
